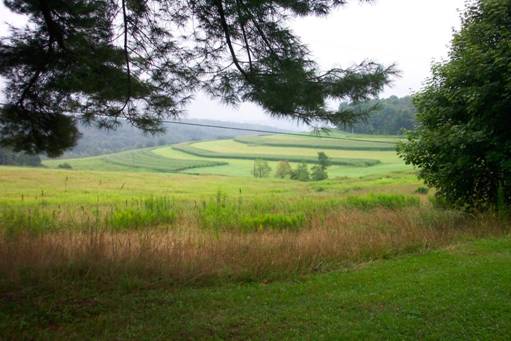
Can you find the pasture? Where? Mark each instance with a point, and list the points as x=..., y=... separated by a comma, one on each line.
x=131, y=245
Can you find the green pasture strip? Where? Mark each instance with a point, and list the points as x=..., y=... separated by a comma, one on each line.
x=315, y=142
x=135, y=160
x=458, y=293
x=355, y=162
x=146, y=159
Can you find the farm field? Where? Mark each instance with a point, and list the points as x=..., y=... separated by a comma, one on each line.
x=131, y=245
x=353, y=157
x=93, y=254
x=354, y=197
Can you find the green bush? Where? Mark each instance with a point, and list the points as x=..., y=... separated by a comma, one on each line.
x=301, y=173
x=283, y=170
x=64, y=165
x=422, y=190
x=261, y=169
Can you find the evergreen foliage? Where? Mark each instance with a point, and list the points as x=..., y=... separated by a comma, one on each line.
x=99, y=61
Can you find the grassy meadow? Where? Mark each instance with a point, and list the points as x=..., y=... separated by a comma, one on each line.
x=133, y=246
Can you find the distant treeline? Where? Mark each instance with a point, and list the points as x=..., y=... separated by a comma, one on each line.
x=8, y=157
x=391, y=116
x=98, y=141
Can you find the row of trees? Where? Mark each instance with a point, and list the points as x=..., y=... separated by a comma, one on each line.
x=8, y=157
x=388, y=116
x=284, y=170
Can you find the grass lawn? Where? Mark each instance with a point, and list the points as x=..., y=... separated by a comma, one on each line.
x=462, y=292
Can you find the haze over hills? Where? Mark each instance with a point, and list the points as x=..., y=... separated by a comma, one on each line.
x=96, y=141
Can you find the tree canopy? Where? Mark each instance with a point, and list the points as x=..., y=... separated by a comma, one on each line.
x=100, y=61
x=462, y=146
x=8, y=157
x=389, y=116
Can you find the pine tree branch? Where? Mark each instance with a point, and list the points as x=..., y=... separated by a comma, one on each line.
x=225, y=28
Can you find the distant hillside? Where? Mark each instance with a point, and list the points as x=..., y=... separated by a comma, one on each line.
x=98, y=141
x=8, y=157
x=391, y=116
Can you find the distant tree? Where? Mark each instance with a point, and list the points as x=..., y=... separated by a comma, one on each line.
x=261, y=169
x=142, y=60
x=386, y=116
x=64, y=165
x=319, y=171
x=462, y=146
x=8, y=157
x=283, y=170
x=301, y=173
x=323, y=160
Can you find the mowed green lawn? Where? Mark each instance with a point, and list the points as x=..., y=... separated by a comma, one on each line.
x=167, y=159
x=462, y=292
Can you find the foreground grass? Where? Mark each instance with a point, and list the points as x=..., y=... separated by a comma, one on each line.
x=461, y=292
x=105, y=255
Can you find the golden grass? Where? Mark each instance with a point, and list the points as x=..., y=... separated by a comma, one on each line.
x=189, y=254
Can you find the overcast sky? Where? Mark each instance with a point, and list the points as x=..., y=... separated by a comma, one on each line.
x=410, y=33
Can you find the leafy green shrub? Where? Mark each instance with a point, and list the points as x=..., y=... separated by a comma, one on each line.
x=422, y=190
x=462, y=145
x=301, y=173
x=390, y=201
x=318, y=173
x=261, y=169
x=283, y=170
x=64, y=165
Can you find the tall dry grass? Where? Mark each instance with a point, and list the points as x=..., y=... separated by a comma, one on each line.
x=190, y=254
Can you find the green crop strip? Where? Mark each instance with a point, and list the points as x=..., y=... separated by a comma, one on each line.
x=188, y=148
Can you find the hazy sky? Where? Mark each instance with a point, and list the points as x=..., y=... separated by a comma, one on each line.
x=410, y=33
